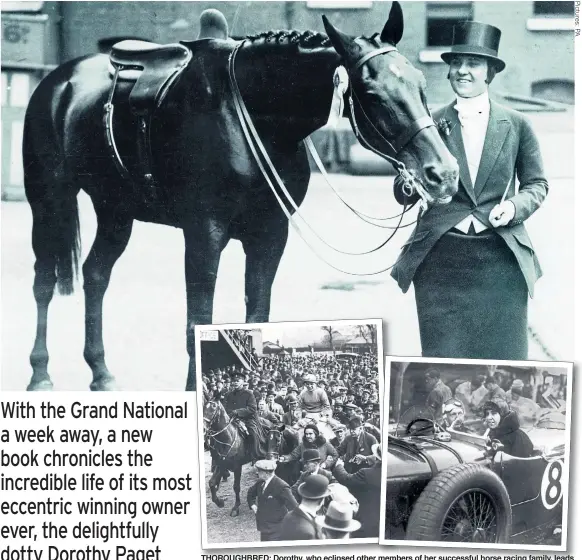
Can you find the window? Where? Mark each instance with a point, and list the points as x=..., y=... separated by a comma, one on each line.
x=553, y=9
x=554, y=90
x=552, y=16
x=442, y=18
x=339, y=5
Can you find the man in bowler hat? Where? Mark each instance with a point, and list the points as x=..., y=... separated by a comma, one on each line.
x=471, y=261
x=311, y=465
x=271, y=499
x=300, y=524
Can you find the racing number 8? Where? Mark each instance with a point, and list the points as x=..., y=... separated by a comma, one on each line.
x=551, y=490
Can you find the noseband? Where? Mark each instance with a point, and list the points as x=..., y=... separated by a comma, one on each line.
x=410, y=183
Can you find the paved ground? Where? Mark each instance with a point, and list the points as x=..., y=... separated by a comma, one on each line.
x=221, y=528
x=145, y=305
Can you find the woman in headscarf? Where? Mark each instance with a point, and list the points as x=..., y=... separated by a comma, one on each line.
x=312, y=439
x=503, y=425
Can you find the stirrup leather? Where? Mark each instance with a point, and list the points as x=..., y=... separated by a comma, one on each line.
x=159, y=67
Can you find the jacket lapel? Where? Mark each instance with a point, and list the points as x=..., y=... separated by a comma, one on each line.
x=454, y=141
x=496, y=132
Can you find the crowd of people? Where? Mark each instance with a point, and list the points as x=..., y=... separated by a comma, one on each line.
x=501, y=404
x=335, y=404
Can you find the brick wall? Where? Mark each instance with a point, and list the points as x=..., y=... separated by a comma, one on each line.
x=530, y=56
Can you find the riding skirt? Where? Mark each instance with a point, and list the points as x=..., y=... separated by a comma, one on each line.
x=471, y=299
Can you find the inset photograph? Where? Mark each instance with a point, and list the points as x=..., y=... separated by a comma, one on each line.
x=291, y=418
x=476, y=453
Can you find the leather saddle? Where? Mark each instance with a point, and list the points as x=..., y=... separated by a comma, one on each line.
x=158, y=67
x=153, y=68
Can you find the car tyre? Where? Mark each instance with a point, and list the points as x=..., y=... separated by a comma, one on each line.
x=446, y=489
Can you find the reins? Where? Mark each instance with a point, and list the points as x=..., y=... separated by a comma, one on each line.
x=410, y=183
x=213, y=435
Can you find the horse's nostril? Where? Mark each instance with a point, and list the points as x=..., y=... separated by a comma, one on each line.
x=432, y=174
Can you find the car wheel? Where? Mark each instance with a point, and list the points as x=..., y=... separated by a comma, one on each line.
x=466, y=503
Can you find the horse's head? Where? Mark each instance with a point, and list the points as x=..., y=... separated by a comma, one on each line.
x=282, y=440
x=388, y=110
x=213, y=415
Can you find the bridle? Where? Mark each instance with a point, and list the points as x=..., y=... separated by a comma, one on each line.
x=410, y=183
x=213, y=435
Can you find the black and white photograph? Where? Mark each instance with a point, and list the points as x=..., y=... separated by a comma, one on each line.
x=477, y=454
x=290, y=422
x=120, y=119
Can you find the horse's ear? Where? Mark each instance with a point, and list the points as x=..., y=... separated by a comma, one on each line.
x=394, y=28
x=342, y=43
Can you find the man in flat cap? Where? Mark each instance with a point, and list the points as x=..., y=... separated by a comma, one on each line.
x=293, y=415
x=271, y=499
x=526, y=409
x=339, y=413
x=357, y=446
x=438, y=392
x=471, y=261
x=274, y=407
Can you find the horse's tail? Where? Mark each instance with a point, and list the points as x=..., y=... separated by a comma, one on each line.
x=52, y=197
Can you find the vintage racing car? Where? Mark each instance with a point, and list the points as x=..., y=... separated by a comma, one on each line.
x=446, y=484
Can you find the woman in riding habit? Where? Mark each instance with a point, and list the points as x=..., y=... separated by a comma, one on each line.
x=471, y=261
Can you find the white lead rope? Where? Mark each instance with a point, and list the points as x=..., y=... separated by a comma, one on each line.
x=364, y=217
x=248, y=127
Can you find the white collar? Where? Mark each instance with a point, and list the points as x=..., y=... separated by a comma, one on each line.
x=473, y=105
x=268, y=480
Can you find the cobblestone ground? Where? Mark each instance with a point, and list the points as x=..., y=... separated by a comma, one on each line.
x=144, y=310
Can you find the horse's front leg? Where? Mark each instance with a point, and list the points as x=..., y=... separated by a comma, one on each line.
x=264, y=249
x=204, y=241
x=214, y=485
x=234, y=512
x=113, y=233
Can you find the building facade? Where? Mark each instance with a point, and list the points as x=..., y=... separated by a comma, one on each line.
x=537, y=41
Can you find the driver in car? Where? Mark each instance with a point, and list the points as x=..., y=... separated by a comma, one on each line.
x=454, y=415
x=503, y=425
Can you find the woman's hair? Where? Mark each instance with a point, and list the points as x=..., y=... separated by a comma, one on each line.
x=491, y=72
x=498, y=406
x=312, y=427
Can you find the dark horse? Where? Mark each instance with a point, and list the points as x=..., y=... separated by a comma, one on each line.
x=207, y=180
x=230, y=451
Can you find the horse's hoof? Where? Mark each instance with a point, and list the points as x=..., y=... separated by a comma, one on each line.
x=104, y=384
x=219, y=502
x=42, y=385
x=234, y=512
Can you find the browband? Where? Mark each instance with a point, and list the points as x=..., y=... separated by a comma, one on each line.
x=372, y=54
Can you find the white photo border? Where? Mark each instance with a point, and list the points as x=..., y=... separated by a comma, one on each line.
x=199, y=408
x=568, y=367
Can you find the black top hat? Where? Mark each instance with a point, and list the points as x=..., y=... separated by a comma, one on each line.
x=475, y=38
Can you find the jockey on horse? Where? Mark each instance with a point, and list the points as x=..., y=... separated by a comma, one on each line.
x=315, y=407
x=241, y=405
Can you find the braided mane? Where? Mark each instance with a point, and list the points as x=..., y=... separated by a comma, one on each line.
x=306, y=39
